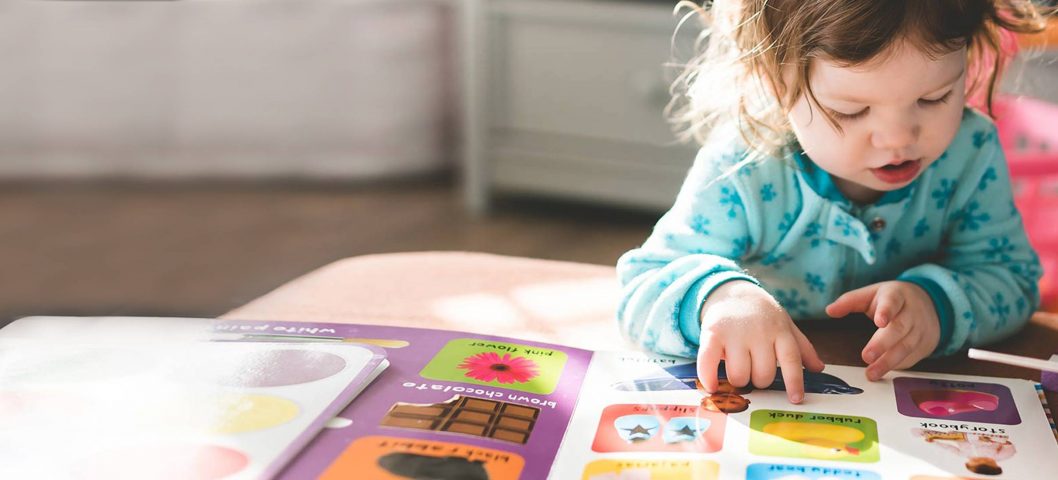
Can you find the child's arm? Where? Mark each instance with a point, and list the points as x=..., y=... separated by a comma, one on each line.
x=980, y=289
x=990, y=272
x=986, y=281
x=691, y=257
x=693, y=249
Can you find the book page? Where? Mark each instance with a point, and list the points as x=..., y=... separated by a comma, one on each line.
x=162, y=398
x=642, y=418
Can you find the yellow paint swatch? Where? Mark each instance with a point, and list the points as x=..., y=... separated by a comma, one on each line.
x=246, y=413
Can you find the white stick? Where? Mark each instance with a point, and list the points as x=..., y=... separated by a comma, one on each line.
x=1016, y=360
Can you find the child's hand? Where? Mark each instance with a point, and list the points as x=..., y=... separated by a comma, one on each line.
x=743, y=325
x=908, y=327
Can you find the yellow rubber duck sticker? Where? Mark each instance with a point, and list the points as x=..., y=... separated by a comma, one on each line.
x=823, y=440
x=814, y=435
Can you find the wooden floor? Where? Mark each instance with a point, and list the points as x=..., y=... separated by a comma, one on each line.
x=200, y=250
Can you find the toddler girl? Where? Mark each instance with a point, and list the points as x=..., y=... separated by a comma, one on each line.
x=840, y=172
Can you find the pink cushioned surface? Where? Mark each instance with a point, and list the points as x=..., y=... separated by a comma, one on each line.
x=560, y=302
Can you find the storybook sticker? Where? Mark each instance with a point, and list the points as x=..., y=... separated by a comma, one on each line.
x=818, y=436
x=773, y=471
x=618, y=469
x=980, y=453
x=498, y=364
x=955, y=400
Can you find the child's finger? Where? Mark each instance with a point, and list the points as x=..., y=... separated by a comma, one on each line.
x=789, y=356
x=858, y=300
x=738, y=366
x=889, y=360
x=708, y=363
x=883, y=340
x=763, y=361
x=809, y=358
x=889, y=304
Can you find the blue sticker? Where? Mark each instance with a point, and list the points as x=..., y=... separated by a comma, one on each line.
x=636, y=428
x=773, y=471
x=684, y=429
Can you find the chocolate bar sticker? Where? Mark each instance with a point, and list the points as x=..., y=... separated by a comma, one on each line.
x=475, y=416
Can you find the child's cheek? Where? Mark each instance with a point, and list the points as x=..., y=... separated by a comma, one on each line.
x=943, y=126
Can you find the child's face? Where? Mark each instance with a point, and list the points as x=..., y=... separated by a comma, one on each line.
x=898, y=112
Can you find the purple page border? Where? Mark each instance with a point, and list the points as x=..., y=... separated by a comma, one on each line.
x=405, y=364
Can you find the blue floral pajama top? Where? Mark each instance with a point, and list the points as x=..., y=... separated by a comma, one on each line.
x=783, y=224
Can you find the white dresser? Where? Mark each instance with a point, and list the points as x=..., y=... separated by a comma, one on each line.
x=566, y=99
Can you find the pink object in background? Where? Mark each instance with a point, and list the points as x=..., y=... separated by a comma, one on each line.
x=980, y=71
x=1030, y=142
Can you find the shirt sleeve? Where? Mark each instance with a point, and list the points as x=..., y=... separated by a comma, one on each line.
x=984, y=286
x=694, y=248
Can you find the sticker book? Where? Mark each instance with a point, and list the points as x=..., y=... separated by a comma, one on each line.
x=456, y=405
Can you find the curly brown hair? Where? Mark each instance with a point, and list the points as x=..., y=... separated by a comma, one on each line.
x=755, y=55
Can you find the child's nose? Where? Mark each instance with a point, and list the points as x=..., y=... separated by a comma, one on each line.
x=896, y=135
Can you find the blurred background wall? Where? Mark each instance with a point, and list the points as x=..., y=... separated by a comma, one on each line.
x=225, y=88
x=182, y=157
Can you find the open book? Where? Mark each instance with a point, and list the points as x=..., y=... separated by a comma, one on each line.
x=454, y=405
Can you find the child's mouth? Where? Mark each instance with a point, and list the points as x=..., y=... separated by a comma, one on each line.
x=901, y=172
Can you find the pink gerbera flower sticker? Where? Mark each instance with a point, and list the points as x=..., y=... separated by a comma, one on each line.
x=488, y=367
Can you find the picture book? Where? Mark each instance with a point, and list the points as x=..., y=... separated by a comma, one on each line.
x=137, y=398
x=455, y=405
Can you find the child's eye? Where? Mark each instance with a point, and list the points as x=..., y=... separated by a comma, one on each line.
x=845, y=117
x=935, y=101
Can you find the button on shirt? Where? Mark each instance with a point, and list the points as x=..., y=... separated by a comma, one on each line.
x=783, y=224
